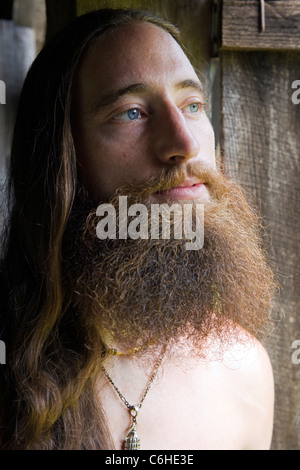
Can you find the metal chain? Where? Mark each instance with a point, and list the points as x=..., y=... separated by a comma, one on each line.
x=126, y=403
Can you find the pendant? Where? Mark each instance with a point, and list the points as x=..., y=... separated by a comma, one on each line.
x=132, y=441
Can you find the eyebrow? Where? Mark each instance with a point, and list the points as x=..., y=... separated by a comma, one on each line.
x=140, y=89
x=189, y=84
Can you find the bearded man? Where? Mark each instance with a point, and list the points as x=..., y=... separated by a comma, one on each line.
x=128, y=342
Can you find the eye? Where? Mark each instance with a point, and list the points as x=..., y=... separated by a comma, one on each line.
x=193, y=108
x=129, y=115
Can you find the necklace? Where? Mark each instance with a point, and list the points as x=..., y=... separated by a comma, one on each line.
x=131, y=440
x=129, y=352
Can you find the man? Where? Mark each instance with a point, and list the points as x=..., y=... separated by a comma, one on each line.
x=128, y=342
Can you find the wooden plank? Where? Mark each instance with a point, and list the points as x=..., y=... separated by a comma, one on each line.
x=241, y=25
x=261, y=147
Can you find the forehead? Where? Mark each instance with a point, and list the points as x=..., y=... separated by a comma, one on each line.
x=133, y=53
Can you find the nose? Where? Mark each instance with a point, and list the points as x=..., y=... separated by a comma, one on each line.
x=174, y=139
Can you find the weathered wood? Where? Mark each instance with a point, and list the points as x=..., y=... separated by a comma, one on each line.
x=261, y=146
x=241, y=24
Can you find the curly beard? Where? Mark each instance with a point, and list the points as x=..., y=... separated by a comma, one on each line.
x=139, y=291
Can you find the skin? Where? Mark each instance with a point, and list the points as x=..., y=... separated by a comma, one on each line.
x=195, y=404
x=217, y=403
x=172, y=127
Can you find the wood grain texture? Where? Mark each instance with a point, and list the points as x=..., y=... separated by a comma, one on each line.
x=261, y=145
x=241, y=24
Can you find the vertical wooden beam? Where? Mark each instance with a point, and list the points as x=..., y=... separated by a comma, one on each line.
x=261, y=147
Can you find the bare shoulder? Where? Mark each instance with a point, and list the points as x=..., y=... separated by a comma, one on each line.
x=247, y=353
x=233, y=388
x=249, y=370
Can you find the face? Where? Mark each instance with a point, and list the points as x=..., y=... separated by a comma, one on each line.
x=139, y=109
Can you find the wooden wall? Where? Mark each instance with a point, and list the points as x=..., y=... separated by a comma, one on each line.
x=261, y=146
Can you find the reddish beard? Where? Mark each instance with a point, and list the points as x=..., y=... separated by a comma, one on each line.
x=139, y=291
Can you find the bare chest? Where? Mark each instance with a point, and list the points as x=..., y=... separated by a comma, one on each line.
x=181, y=411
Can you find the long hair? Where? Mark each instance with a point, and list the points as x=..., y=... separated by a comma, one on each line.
x=47, y=391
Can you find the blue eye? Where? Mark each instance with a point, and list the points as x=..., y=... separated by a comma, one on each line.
x=194, y=107
x=131, y=114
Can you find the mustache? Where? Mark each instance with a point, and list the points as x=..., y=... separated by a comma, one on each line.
x=173, y=177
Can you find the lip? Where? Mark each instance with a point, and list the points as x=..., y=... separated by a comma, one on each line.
x=189, y=182
x=191, y=188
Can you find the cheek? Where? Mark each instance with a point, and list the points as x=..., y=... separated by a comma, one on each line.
x=211, y=142
x=206, y=138
x=107, y=163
